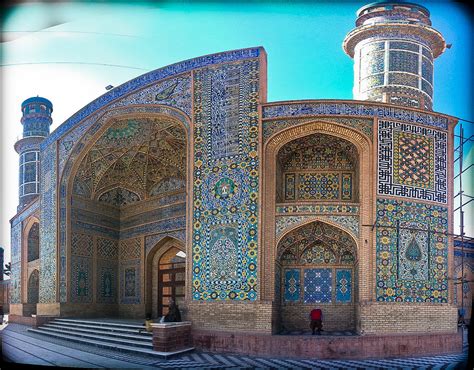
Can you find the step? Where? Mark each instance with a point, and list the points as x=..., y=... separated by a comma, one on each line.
x=101, y=323
x=116, y=347
x=145, y=336
x=103, y=328
x=104, y=338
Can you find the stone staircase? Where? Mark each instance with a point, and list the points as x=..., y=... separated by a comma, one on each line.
x=116, y=335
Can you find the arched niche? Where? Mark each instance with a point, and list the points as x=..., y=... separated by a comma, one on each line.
x=33, y=288
x=317, y=267
x=165, y=276
x=357, y=150
x=33, y=242
x=128, y=180
x=317, y=168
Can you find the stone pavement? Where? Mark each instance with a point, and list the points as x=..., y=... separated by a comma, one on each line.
x=22, y=347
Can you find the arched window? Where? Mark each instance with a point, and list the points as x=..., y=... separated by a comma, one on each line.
x=33, y=242
x=33, y=287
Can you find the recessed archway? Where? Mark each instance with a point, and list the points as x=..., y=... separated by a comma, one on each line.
x=317, y=264
x=359, y=164
x=33, y=290
x=165, y=276
x=129, y=181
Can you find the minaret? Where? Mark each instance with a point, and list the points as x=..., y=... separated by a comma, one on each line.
x=36, y=120
x=394, y=46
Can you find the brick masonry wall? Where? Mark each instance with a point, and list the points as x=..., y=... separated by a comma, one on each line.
x=29, y=320
x=169, y=337
x=388, y=318
x=356, y=347
x=296, y=316
x=230, y=316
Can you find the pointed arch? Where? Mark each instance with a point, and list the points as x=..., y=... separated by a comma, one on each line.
x=112, y=131
x=30, y=252
x=33, y=287
x=364, y=148
x=327, y=236
x=152, y=260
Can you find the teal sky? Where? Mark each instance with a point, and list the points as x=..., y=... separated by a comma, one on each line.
x=69, y=51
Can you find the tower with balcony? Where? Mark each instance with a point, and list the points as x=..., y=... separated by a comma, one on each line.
x=36, y=120
x=394, y=47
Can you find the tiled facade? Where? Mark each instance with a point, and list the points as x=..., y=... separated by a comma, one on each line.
x=279, y=207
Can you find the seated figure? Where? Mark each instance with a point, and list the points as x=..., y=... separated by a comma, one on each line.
x=173, y=314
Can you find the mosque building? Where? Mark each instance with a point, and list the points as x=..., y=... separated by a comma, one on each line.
x=186, y=183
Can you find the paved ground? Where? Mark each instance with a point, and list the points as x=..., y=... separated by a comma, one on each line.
x=22, y=347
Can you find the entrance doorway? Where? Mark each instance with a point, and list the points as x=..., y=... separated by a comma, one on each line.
x=171, y=279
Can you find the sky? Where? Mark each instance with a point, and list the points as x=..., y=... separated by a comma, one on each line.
x=68, y=52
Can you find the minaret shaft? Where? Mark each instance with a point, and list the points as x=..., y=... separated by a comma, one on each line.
x=394, y=47
x=36, y=121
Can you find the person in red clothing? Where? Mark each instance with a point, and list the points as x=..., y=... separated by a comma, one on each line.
x=316, y=316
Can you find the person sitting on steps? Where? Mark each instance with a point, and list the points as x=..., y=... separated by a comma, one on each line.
x=173, y=314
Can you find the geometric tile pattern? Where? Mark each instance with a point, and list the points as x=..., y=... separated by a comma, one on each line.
x=317, y=255
x=318, y=152
x=82, y=245
x=343, y=285
x=411, y=252
x=356, y=109
x=48, y=228
x=306, y=162
x=130, y=282
x=412, y=161
x=81, y=279
x=346, y=223
x=271, y=127
x=317, y=251
x=292, y=285
x=130, y=249
x=318, y=186
x=15, y=283
x=226, y=184
x=346, y=186
x=107, y=248
x=317, y=285
x=139, y=154
x=335, y=245
x=107, y=281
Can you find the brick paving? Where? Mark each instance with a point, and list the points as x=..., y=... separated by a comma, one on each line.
x=23, y=347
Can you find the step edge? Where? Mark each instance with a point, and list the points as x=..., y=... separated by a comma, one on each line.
x=127, y=349
x=92, y=337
